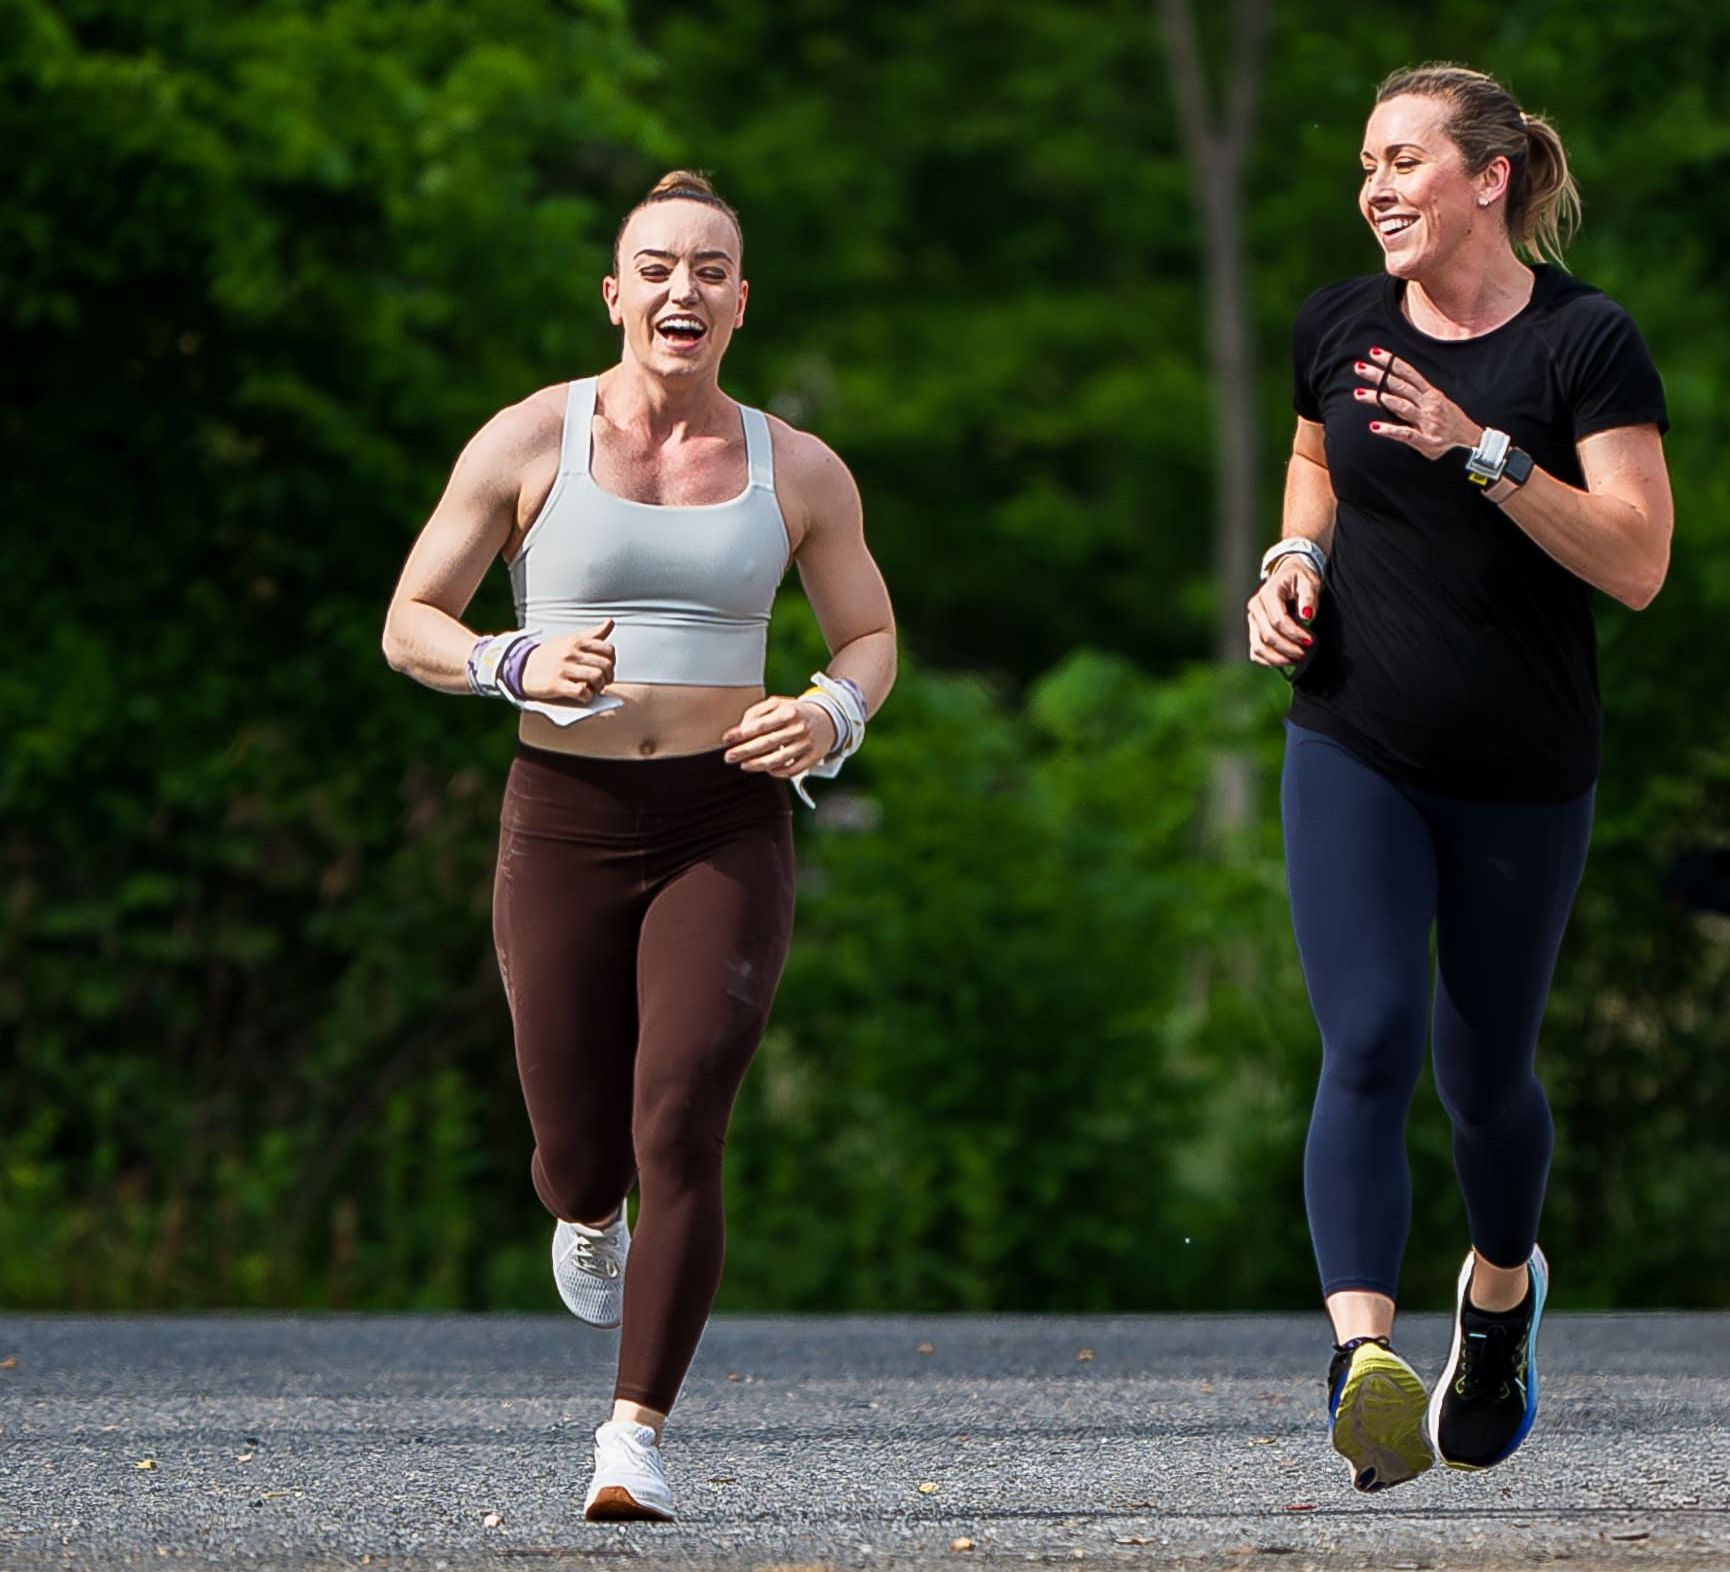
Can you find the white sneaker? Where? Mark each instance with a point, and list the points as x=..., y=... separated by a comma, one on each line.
x=589, y=1269
x=629, y=1484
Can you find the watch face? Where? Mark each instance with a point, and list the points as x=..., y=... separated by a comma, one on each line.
x=1519, y=467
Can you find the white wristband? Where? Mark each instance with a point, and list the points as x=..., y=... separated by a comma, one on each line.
x=846, y=707
x=488, y=656
x=486, y=660
x=1485, y=463
x=1295, y=546
x=836, y=718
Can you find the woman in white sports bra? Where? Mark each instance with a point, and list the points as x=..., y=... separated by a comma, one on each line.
x=644, y=896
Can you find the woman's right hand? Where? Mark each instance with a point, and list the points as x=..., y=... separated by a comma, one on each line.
x=570, y=669
x=1280, y=611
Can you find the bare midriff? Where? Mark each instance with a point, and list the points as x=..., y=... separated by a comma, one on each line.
x=656, y=720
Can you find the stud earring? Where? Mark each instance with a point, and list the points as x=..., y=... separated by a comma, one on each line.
x=1483, y=201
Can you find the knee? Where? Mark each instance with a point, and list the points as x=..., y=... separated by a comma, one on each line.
x=581, y=1181
x=1377, y=1053
x=679, y=1139
x=1479, y=1101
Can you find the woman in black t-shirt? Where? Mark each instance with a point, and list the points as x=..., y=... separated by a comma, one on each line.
x=1478, y=450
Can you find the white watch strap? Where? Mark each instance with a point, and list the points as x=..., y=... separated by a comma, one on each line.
x=1295, y=546
x=1490, y=457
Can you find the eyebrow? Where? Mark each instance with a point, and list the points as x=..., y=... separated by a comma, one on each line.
x=1393, y=147
x=701, y=256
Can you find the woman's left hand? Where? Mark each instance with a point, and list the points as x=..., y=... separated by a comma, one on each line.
x=1423, y=417
x=780, y=737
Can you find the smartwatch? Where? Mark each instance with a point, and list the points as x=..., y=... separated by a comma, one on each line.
x=1517, y=468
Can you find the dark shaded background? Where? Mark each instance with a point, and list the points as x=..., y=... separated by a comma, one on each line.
x=1042, y=1043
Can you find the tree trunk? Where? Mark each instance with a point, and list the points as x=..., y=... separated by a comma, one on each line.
x=1215, y=145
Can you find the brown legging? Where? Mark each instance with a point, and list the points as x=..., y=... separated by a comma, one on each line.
x=642, y=912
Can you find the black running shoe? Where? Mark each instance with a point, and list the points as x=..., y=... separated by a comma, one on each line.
x=1376, y=1414
x=1487, y=1398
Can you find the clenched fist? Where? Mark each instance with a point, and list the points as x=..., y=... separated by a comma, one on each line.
x=572, y=668
x=780, y=737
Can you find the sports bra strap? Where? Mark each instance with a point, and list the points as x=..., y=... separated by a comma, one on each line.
x=759, y=447
x=579, y=427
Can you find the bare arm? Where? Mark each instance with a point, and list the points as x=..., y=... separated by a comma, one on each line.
x=1278, y=612
x=844, y=584
x=1309, y=489
x=1616, y=533
x=424, y=635
x=851, y=602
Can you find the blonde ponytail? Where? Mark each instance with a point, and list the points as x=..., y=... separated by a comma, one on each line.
x=1549, y=216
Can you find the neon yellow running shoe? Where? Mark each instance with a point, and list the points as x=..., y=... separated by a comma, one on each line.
x=1376, y=1411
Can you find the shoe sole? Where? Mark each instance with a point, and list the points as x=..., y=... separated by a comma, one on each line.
x=615, y=1504
x=604, y=1326
x=1378, y=1425
x=1433, y=1418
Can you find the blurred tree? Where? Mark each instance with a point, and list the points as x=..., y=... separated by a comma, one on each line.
x=1216, y=142
x=263, y=269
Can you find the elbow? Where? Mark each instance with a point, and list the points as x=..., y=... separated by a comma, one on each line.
x=1643, y=589
x=395, y=651
x=891, y=660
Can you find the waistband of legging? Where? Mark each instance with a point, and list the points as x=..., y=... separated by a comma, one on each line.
x=676, y=781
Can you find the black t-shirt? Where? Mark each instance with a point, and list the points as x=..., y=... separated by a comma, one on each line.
x=1452, y=653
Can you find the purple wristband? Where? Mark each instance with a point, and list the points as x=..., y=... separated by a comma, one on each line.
x=511, y=667
x=858, y=693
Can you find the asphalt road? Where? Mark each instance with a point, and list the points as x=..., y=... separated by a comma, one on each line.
x=450, y=1442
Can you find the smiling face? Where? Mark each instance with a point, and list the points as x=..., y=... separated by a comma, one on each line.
x=1417, y=195
x=677, y=291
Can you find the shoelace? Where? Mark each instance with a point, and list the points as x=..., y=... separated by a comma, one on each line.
x=621, y=1452
x=596, y=1256
x=1343, y=1357
x=1490, y=1362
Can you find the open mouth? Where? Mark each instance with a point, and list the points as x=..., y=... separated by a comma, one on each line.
x=1395, y=224
x=680, y=330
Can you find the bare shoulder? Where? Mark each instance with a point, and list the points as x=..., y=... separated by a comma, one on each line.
x=506, y=458
x=521, y=432
x=811, y=478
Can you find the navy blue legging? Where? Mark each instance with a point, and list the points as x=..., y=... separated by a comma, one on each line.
x=1372, y=867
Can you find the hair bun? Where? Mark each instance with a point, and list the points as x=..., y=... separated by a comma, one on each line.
x=682, y=181
x=675, y=186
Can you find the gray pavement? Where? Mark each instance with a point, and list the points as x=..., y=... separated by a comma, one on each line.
x=455, y=1442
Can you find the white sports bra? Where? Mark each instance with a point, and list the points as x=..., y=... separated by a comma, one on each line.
x=688, y=588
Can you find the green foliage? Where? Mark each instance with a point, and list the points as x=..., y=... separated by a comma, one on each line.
x=263, y=270
x=1042, y=1042
x=1024, y=1011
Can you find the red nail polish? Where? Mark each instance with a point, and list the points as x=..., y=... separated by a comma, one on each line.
x=1375, y=425
x=1376, y=349
x=1307, y=643
x=1308, y=612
